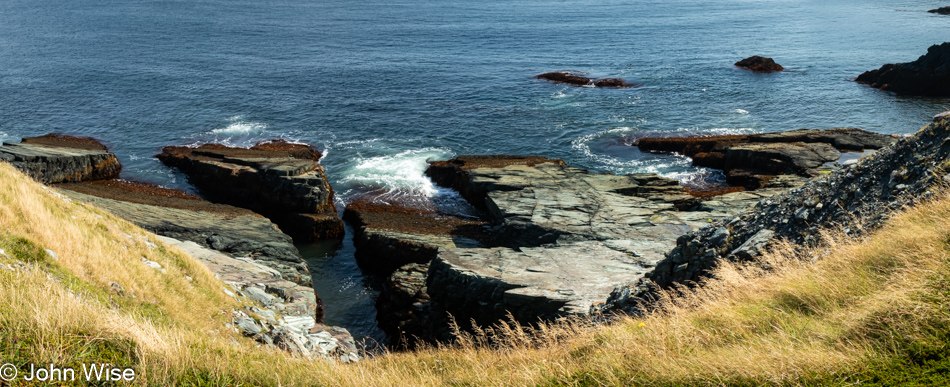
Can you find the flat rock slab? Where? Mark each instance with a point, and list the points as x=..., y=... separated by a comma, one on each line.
x=568, y=238
x=753, y=160
x=231, y=230
x=282, y=181
x=56, y=159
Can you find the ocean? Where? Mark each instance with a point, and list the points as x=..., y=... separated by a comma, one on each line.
x=382, y=87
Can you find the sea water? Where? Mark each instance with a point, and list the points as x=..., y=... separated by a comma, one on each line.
x=383, y=86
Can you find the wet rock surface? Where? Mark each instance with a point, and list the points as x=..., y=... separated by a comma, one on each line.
x=56, y=158
x=753, y=160
x=759, y=64
x=855, y=199
x=280, y=180
x=929, y=75
x=577, y=79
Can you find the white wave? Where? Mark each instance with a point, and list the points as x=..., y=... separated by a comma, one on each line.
x=5, y=137
x=240, y=127
x=400, y=172
x=740, y=111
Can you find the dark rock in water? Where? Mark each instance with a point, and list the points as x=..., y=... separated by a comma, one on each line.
x=56, y=158
x=578, y=80
x=399, y=240
x=176, y=214
x=280, y=180
x=388, y=236
x=752, y=160
x=857, y=199
x=759, y=64
x=929, y=75
x=941, y=10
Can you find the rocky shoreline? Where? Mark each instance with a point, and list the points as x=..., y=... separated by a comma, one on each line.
x=543, y=240
x=245, y=250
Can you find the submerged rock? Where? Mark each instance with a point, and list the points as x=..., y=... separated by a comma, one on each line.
x=759, y=64
x=280, y=180
x=579, y=80
x=929, y=75
x=753, y=160
x=57, y=158
x=856, y=199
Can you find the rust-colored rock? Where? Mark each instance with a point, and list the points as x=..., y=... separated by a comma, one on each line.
x=277, y=179
x=759, y=64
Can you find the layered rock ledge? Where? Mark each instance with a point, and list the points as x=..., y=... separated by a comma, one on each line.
x=759, y=64
x=854, y=199
x=576, y=79
x=175, y=214
x=560, y=239
x=753, y=160
x=57, y=158
x=929, y=75
x=280, y=180
x=398, y=240
x=284, y=312
x=566, y=236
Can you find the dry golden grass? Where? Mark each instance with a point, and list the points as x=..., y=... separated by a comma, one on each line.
x=827, y=322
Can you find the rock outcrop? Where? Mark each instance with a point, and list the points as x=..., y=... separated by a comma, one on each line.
x=759, y=64
x=854, y=199
x=398, y=240
x=941, y=11
x=284, y=312
x=579, y=80
x=929, y=75
x=56, y=158
x=280, y=180
x=565, y=237
x=175, y=214
x=753, y=160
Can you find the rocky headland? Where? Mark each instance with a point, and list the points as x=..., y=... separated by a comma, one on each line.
x=753, y=160
x=929, y=75
x=759, y=64
x=280, y=180
x=941, y=11
x=576, y=79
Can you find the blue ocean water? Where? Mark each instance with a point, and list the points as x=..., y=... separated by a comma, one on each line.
x=381, y=87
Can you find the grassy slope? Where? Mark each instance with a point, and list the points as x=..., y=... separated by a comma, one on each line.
x=875, y=311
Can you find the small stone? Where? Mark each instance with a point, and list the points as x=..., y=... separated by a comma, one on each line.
x=52, y=254
x=248, y=326
x=116, y=288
